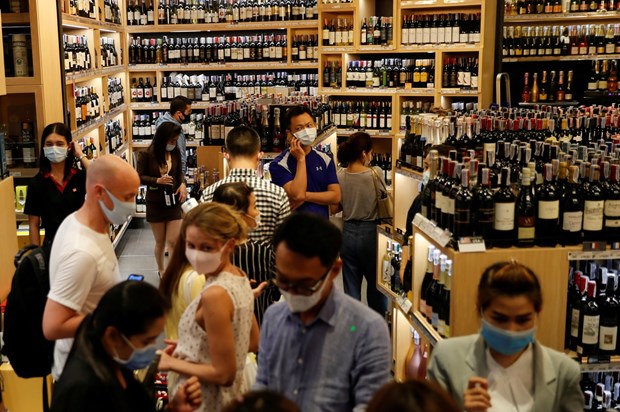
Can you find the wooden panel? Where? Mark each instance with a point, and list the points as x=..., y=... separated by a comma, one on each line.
x=22, y=394
x=405, y=186
x=2, y=78
x=211, y=158
x=8, y=236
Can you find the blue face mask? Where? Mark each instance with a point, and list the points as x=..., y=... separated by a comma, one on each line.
x=139, y=358
x=506, y=342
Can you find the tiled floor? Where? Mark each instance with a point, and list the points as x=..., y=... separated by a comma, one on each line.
x=135, y=252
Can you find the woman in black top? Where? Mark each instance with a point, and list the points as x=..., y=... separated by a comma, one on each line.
x=254, y=258
x=117, y=338
x=59, y=188
x=160, y=169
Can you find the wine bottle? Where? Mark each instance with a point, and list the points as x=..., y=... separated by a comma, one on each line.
x=428, y=194
x=433, y=286
x=484, y=207
x=415, y=362
x=581, y=283
x=589, y=322
x=437, y=292
x=608, y=328
x=504, y=228
x=444, y=312
x=526, y=212
x=594, y=201
x=572, y=210
x=386, y=268
x=547, y=222
x=428, y=278
x=395, y=262
x=462, y=208
x=612, y=205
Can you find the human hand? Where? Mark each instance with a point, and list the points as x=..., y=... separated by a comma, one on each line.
x=165, y=180
x=258, y=290
x=188, y=397
x=171, y=346
x=76, y=148
x=296, y=150
x=165, y=360
x=182, y=192
x=476, y=397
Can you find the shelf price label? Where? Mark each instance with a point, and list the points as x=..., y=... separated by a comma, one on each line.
x=442, y=237
x=404, y=303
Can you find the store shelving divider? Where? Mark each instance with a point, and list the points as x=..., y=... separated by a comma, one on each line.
x=8, y=236
x=2, y=77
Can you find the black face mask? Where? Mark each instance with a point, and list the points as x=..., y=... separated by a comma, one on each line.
x=186, y=118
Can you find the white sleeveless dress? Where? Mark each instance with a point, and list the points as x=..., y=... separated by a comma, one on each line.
x=193, y=343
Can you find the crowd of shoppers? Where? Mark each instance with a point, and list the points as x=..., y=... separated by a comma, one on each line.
x=319, y=349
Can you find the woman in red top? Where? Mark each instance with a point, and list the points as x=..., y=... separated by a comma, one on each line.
x=59, y=188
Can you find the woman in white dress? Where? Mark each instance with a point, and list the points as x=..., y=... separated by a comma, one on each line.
x=218, y=328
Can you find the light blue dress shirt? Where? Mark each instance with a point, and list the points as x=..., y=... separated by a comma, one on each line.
x=334, y=364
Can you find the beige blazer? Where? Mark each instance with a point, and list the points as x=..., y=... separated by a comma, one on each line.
x=556, y=376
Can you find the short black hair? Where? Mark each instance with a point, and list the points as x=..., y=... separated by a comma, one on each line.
x=178, y=104
x=311, y=236
x=235, y=194
x=242, y=141
x=294, y=112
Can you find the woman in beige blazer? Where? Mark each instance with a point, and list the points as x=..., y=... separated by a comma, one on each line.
x=504, y=368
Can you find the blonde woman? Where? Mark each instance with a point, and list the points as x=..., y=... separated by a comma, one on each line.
x=218, y=327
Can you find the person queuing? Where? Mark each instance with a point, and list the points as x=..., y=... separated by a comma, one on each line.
x=320, y=348
x=360, y=212
x=504, y=368
x=179, y=114
x=262, y=401
x=59, y=188
x=218, y=328
x=83, y=265
x=117, y=338
x=243, y=155
x=307, y=175
x=159, y=168
x=254, y=258
x=412, y=396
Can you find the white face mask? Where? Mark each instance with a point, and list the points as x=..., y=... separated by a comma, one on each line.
x=256, y=220
x=120, y=211
x=302, y=303
x=170, y=147
x=204, y=262
x=306, y=136
x=55, y=154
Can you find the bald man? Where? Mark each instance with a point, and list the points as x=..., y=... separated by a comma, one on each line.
x=83, y=265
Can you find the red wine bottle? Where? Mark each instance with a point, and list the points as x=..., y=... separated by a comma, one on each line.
x=593, y=207
x=572, y=210
x=504, y=227
x=428, y=278
x=608, y=329
x=580, y=283
x=611, y=213
x=462, y=208
x=526, y=212
x=483, y=207
x=548, y=219
x=589, y=322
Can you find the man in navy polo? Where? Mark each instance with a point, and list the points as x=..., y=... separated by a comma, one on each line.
x=313, y=187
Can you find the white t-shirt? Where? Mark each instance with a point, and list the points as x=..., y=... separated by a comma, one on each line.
x=512, y=388
x=83, y=266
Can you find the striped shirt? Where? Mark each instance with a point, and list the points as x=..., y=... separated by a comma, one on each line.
x=271, y=201
x=256, y=260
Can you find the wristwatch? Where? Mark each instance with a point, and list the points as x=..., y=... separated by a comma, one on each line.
x=82, y=157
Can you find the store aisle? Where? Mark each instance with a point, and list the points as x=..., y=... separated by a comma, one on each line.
x=135, y=252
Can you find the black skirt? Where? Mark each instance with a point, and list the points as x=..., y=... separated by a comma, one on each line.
x=158, y=212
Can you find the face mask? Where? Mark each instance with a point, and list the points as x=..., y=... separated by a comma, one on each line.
x=139, y=358
x=306, y=136
x=301, y=303
x=120, y=211
x=504, y=341
x=256, y=220
x=170, y=147
x=426, y=176
x=186, y=118
x=204, y=262
x=55, y=154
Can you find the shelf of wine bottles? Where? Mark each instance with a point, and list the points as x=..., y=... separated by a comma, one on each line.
x=548, y=9
x=116, y=93
x=391, y=73
x=111, y=12
x=460, y=73
x=76, y=53
x=87, y=105
x=435, y=291
x=440, y=29
x=362, y=114
x=593, y=309
x=229, y=11
x=109, y=55
x=601, y=391
x=219, y=49
x=114, y=135
x=84, y=8
x=140, y=14
x=412, y=150
x=377, y=30
x=337, y=32
x=332, y=74
x=390, y=266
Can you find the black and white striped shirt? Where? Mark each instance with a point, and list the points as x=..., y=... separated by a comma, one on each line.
x=257, y=261
x=271, y=201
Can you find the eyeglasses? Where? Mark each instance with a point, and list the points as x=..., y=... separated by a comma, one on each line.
x=300, y=289
x=304, y=126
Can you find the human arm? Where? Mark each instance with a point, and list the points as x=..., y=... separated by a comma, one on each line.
x=144, y=159
x=59, y=321
x=34, y=232
x=330, y=197
x=182, y=189
x=254, y=335
x=335, y=208
x=372, y=364
x=262, y=374
x=216, y=311
x=188, y=397
x=296, y=188
x=79, y=154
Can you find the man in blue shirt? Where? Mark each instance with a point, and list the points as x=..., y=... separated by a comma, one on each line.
x=307, y=175
x=179, y=113
x=321, y=348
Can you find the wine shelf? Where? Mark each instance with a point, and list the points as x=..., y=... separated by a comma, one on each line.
x=556, y=104
x=376, y=91
x=123, y=148
x=337, y=7
x=9, y=19
x=76, y=22
x=88, y=75
x=379, y=134
x=24, y=172
x=336, y=49
x=596, y=363
x=409, y=172
x=224, y=27
x=430, y=4
x=119, y=235
x=582, y=57
x=545, y=18
x=445, y=48
x=143, y=144
x=92, y=125
x=269, y=65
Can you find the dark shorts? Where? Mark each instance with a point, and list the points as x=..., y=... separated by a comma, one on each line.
x=158, y=213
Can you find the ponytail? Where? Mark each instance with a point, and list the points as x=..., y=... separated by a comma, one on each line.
x=351, y=150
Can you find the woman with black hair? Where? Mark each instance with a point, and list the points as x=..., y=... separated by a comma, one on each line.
x=360, y=212
x=59, y=188
x=116, y=339
x=160, y=169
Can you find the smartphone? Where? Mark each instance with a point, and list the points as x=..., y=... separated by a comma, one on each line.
x=133, y=276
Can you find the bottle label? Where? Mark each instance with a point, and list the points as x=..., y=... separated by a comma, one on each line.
x=574, y=323
x=439, y=202
x=527, y=229
x=593, y=215
x=504, y=216
x=548, y=209
x=441, y=327
x=589, y=332
x=607, y=340
x=446, y=331
x=449, y=205
x=572, y=221
x=435, y=319
x=612, y=209
x=462, y=216
x=387, y=271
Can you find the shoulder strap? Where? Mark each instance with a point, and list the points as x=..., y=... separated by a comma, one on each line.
x=187, y=287
x=375, y=178
x=39, y=265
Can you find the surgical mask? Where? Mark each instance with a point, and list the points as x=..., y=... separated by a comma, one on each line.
x=306, y=136
x=426, y=176
x=170, y=147
x=186, y=118
x=204, y=262
x=120, y=212
x=139, y=358
x=302, y=303
x=504, y=341
x=255, y=219
x=55, y=154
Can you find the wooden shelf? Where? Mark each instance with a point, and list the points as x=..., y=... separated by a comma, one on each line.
x=546, y=18
x=123, y=148
x=595, y=363
x=336, y=49
x=222, y=67
x=84, y=130
x=88, y=75
x=379, y=134
x=409, y=172
x=376, y=48
x=144, y=143
x=376, y=91
x=443, y=47
x=582, y=57
x=338, y=7
x=23, y=172
x=225, y=27
x=429, y=4
x=70, y=21
x=21, y=81
x=556, y=104
x=459, y=92
x=11, y=19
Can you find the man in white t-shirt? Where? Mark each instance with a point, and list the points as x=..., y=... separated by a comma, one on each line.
x=83, y=265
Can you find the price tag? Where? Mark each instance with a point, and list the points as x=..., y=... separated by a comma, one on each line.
x=471, y=244
x=406, y=305
x=408, y=86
